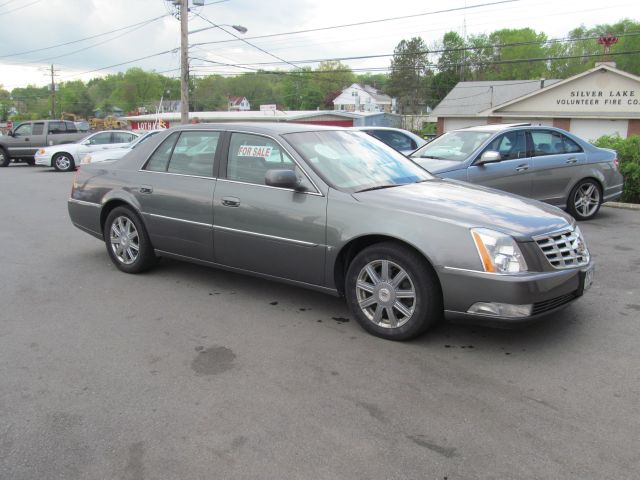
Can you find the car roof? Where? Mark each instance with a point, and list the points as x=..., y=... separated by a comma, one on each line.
x=495, y=127
x=273, y=128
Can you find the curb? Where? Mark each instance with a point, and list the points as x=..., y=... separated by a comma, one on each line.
x=627, y=206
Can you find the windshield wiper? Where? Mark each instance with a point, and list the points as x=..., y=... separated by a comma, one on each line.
x=434, y=158
x=380, y=187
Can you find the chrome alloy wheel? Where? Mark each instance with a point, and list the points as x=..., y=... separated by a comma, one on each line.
x=386, y=294
x=586, y=199
x=125, y=242
x=62, y=162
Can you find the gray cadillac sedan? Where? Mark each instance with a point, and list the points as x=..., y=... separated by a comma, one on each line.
x=337, y=211
x=545, y=163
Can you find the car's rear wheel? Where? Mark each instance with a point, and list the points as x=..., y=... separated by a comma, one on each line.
x=5, y=160
x=63, y=162
x=127, y=241
x=393, y=292
x=585, y=199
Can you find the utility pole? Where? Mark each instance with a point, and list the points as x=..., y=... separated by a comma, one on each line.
x=52, y=88
x=184, y=61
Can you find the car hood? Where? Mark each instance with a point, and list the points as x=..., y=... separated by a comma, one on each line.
x=436, y=166
x=471, y=206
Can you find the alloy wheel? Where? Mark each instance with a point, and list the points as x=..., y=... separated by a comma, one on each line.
x=587, y=199
x=386, y=294
x=63, y=163
x=125, y=242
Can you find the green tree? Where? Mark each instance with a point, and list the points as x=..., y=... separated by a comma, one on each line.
x=409, y=68
x=74, y=97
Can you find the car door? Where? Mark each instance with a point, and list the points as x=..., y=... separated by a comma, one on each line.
x=27, y=138
x=513, y=172
x=557, y=161
x=264, y=229
x=175, y=191
x=104, y=141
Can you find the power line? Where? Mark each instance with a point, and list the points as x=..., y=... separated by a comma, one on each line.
x=19, y=8
x=83, y=39
x=173, y=50
x=368, y=22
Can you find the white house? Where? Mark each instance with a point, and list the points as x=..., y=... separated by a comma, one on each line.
x=238, y=104
x=363, y=98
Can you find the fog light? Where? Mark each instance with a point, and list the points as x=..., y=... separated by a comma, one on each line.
x=500, y=309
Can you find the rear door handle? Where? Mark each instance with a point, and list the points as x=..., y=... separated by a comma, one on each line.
x=230, y=202
x=146, y=189
x=571, y=161
x=522, y=168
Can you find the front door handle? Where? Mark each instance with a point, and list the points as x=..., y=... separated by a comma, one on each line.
x=571, y=161
x=522, y=168
x=230, y=202
x=146, y=189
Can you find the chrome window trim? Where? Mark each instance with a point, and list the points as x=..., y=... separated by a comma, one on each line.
x=191, y=222
x=264, y=235
x=83, y=202
x=317, y=192
x=177, y=174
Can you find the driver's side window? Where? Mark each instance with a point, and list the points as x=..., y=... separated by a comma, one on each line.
x=510, y=145
x=23, y=130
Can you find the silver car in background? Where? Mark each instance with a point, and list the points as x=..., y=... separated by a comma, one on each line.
x=544, y=163
x=337, y=211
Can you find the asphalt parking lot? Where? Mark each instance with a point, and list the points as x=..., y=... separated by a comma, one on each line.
x=192, y=373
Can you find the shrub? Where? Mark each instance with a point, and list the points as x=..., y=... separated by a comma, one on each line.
x=629, y=157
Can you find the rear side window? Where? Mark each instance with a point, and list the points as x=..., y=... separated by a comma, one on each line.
x=552, y=143
x=57, y=127
x=103, y=138
x=38, y=128
x=160, y=158
x=70, y=127
x=121, y=137
x=194, y=154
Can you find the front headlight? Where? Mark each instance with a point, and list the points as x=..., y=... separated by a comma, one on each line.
x=498, y=252
x=41, y=151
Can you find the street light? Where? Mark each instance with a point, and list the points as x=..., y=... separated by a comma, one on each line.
x=184, y=52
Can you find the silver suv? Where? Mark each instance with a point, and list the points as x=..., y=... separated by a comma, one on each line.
x=544, y=163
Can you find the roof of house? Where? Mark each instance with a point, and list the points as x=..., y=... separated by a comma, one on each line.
x=373, y=92
x=235, y=100
x=470, y=98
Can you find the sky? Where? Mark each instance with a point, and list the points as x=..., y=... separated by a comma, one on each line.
x=27, y=25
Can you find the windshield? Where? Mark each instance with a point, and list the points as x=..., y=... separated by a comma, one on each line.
x=456, y=146
x=352, y=161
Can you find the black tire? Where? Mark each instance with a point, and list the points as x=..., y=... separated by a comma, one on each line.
x=63, y=162
x=120, y=219
x=424, y=308
x=5, y=160
x=585, y=199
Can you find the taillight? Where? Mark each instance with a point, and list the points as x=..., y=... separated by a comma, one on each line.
x=616, y=164
x=75, y=181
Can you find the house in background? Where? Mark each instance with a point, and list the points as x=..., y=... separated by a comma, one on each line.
x=238, y=104
x=363, y=98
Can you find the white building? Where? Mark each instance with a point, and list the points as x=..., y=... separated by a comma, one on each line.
x=600, y=101
x=362, y=98
x=238, y=104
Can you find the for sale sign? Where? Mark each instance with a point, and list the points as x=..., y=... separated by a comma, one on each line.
x=262, y=151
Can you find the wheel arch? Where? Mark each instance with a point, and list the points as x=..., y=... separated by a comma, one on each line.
x=593, y=175
x=354, y=246
x=112, y=203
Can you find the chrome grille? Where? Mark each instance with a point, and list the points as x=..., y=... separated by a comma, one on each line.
x=564, y=249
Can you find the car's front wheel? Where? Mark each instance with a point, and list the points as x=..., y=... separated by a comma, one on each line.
x=127, y=241
x=585, y=199
x=63, y=162
x=393, y=292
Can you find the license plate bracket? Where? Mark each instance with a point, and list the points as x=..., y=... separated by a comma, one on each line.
x=585, y=281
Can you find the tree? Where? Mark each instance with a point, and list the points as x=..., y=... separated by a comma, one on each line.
x=451, y=66
x=74, y=97
x=407, y=81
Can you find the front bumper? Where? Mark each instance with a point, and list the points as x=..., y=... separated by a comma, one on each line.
x=44, y=160
x=546, y=292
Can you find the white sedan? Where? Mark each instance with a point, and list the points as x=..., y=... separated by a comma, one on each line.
x=65, y=157
x=116, y=153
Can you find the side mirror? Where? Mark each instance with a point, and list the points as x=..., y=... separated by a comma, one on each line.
x=281, y=178
x=490, y=156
